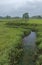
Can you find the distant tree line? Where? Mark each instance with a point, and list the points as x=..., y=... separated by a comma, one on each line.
x=8, y=17
x=24, y=16
x=36, y=17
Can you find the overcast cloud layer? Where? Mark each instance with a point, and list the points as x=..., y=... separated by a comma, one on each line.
x=18, y=7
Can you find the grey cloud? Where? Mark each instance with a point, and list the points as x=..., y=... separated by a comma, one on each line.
x=14, y=8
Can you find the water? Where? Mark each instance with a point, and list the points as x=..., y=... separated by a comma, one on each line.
x=29, y=49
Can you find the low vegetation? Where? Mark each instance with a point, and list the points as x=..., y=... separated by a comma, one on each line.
x=12, y=31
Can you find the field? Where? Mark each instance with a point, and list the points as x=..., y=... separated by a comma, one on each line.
x=35, y=21
x=38, y=30
x=12, y=31
x=10, y=42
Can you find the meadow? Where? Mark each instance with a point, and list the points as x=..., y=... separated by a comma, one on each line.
x=12, y=31
x=38, y=30
x=11, y=42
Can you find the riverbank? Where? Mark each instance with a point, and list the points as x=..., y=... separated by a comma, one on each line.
x=11, y=46
x=29, y=47
x=38, y=53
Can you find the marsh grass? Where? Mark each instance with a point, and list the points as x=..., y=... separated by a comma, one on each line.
x=12, y=31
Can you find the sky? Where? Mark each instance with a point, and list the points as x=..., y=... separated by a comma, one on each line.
x=18, y=7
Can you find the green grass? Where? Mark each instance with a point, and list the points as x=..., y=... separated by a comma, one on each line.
x=35, y=21
x=38, y=29
x=10, y=39
x=11, y=36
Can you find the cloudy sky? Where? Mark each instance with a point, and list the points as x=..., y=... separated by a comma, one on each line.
x=18, y=7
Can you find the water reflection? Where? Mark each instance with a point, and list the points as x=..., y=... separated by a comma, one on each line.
x=29, y=49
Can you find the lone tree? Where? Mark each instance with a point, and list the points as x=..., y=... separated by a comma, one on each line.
x=26, y=16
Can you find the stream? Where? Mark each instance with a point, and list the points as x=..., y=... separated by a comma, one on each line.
x=29, y=47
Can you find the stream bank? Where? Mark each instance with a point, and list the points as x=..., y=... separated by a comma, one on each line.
x=29, y=47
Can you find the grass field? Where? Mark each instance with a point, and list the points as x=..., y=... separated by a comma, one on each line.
x=10, y=41
x=38, y=29
x=12, y=32
x=35, y=21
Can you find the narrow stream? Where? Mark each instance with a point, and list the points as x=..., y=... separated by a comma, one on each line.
x=29, y=49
